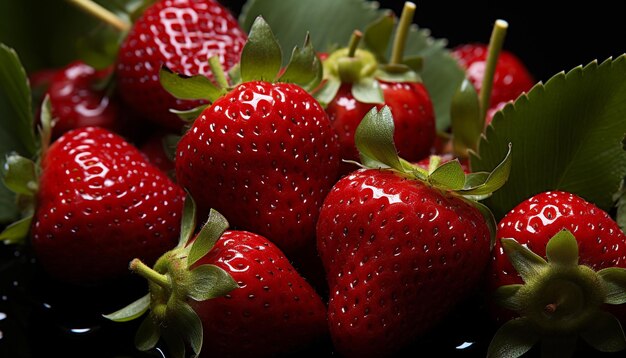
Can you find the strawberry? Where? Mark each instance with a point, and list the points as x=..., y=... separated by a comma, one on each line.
x=356, y=82
x=400, y=246
x=560, y=299
x=95, y=204
x=264, y=154
x=234, y=293
x=77, y=102
x=181, y=35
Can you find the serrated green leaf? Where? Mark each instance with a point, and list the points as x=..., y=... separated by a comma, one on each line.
x=17, y=232
x=526, y=263
x=449, y=175
x=132, y=311
x=304, y=68
x=188, y=222
x=147, y=335
x=261, y=56
x=505, y=296
x=465, y=118
x=189, y=115
x=188, y=87
x=569, y=134
x=374, y=140
x=605, y=333
x=615, y=283
x=331, y=22
x=377, y=35
x=562, y=249
x=495, y=180
x=207, y=237
x=20, y=175
x=513, y=339
x=367, y=90
x=210, y=281
x=327, y=91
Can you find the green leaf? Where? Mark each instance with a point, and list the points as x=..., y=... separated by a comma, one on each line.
x=147, y=335
x=186, y=322
x=188, y=223
x=15, y=88
x=415, y=63
x=20, y=175
x=207, y=237
x=527, y=263
x=331, y=22
x=495, y=180
x=449, y=175
x=17, y=232
x=620, y=204
x=210, y=281
x=377, y=35
x=261, y=56
x=568, y=136
x=188, y=87
x=189, y=115
x=304, y=68
x=132, y=311
x=562, y=249
x=506, y=297
x=604, y=333
x=615, y=283
x=465, y=116
x=367, y=90
x=374, y=140
x=513, y=339
x=45, y=125
x=327, y=91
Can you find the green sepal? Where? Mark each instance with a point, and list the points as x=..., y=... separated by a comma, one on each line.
x=175, y=343
x=513, y=339
x=189, y=115
x=20, y=175
x=558, y=346
x=367, y=90
x=235, y=74
x=147, y=335
x=377, y=35
x=304, y=68
x=397, y=73
x=490, y=220
x=185, y=321
x=327, y=91
x=188, y=221
x=449, y=175
x=494, y=181
x=465, y=119
x=506, y=296
x=130, y=312
x=527, y=263
x=605, y=333
x=16, y=232
x=620, y=201
x=100, y=46
x=170, y=142
x=615, y=283
x=374, y=140
x=210, y=281
x=261, y=56
x=45, y=125
x=562, y=249
x=189, y=87
x=207, y=237
x=414, y=63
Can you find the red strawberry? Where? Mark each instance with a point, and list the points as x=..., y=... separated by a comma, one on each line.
x=355, y=83
x=181, y=35
x=400, y=247
x=560, y=299
x=264, y=154
x=98, y=205
x=76, y=102
x=511, y=77
x=266, y=308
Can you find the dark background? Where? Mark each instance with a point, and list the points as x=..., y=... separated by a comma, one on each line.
x=548, y=37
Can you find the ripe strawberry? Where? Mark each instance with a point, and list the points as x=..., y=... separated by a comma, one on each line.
x=400, y=246
x=181, y=35
x=355, y=83
x=511, y=77
x=264, y=154
x=76, y=102
x=266, y=308
x=98, y=205
x=559, y=300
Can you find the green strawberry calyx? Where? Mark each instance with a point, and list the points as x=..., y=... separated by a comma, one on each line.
x=374, y=141
x=173, y=282
x=261, y=60
x=363, y=68
x=559, y=301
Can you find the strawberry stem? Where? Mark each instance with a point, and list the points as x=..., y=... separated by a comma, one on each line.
x=101, y=13
x=397, y=52
x=149, y=274
x=218, y=71
x=354, y=42
x=495, y=46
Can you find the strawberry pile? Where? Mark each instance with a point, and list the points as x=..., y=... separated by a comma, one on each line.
x=247, y=205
